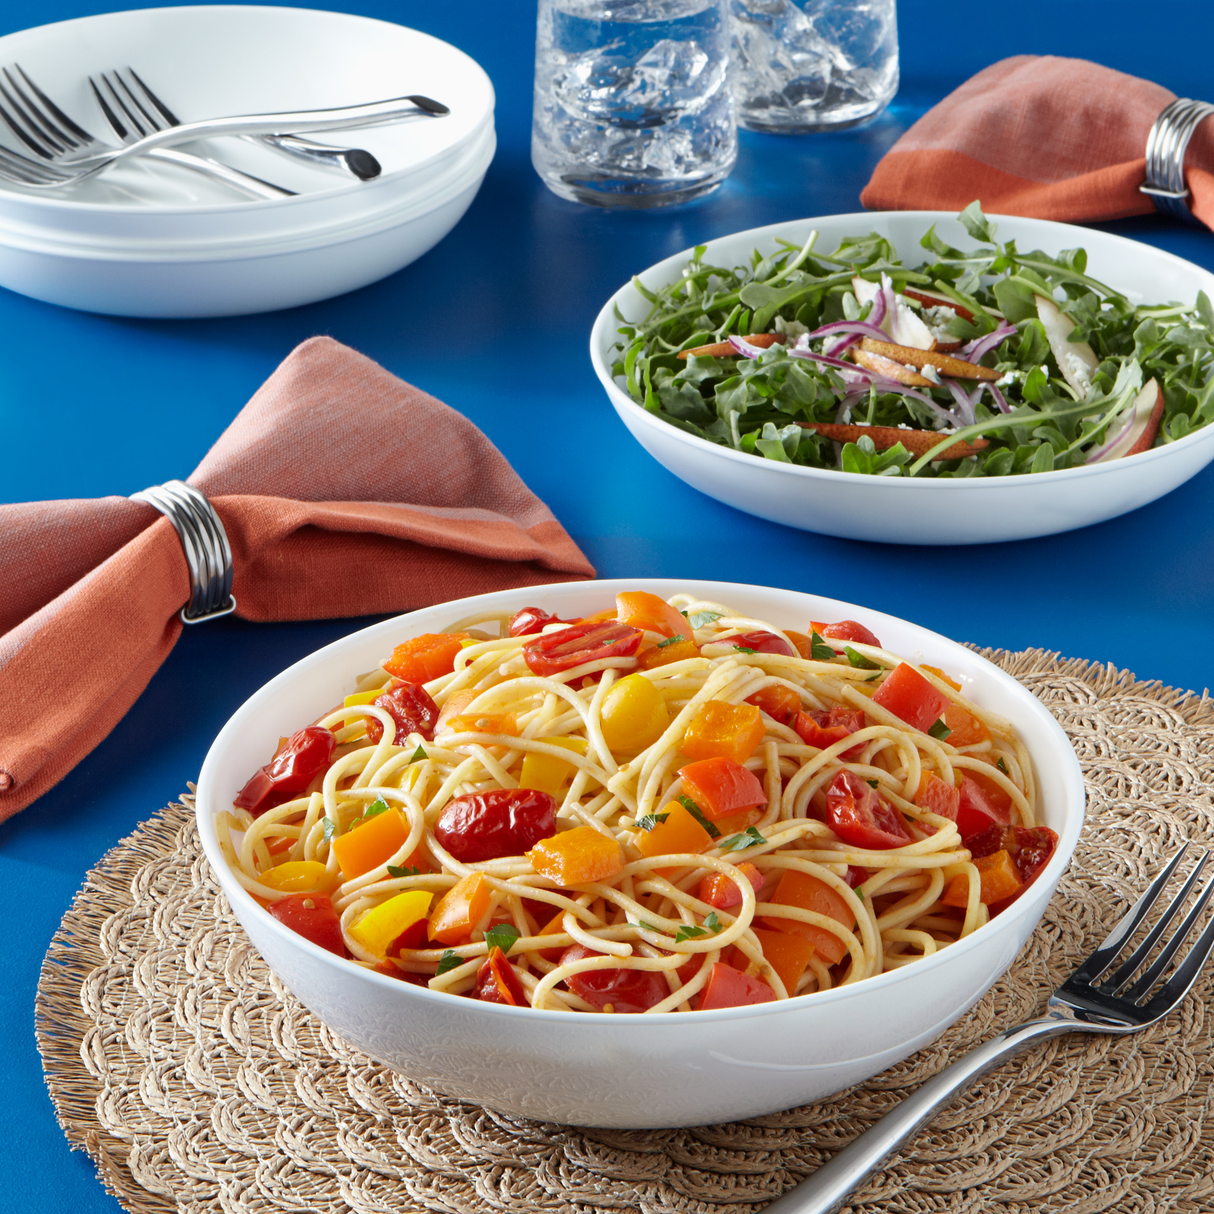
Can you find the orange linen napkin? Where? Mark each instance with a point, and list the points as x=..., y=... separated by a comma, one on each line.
x=91, y=588
x=1040, y=136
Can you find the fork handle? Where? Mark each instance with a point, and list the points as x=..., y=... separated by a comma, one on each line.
x=356, y=161
x=828, y=1188
x=222, y=172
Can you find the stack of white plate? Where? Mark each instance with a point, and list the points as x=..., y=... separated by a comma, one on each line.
x=154, y=239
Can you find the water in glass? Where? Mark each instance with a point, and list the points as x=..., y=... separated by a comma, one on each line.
x=632, y=100
x=804, y=65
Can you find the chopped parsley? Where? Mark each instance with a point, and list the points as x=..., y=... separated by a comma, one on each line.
x=819, y=650
x=649, y=927
x=692, y=808
x=649, y=821
x=874, y=783
x=330, y=828
x=744, y=649
x=393, y=871
x=671, y=640
x=1002, y=766
x=748, y=838
x=859, y=661
x=448, y=961
x=418, y=755
x=689, y=931
x=502, y=935
x=939, y=731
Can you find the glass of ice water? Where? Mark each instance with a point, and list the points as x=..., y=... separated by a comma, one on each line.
x=632, y=100
x=809, y=65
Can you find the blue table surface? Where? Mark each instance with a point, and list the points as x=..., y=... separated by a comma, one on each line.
x=94, y=405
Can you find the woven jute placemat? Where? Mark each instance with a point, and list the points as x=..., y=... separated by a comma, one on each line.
x=196, y=1082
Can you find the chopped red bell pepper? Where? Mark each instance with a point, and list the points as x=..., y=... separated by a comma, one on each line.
x=908, y=695
x=728, y=987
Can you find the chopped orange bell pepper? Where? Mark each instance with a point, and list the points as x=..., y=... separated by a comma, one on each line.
x=941, y=675
x=420, y=659
x=720, y=787
x=998, y=877
x=640, y=609
x=599, y=617
x=477, y=722
x=966, y=728
x=722, y=891
x=736, y=823
x=802, y=643
x=373, y=843
x=678, y=834
x=724, y=730
x=575, y=857
x=779, y=702
x=651, y=656
x=787, y=955
x=460, y=909
x=811, y=894
x=938, y=796
x=554, y=927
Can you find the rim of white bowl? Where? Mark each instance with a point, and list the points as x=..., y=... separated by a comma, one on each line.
x=603, y=334
x=1074, y=792
x=68, y=205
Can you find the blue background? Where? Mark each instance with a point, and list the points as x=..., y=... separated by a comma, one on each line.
x=93, y=405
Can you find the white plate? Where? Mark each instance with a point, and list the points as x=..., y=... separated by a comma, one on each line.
x=898, y=509
x=629, y=1070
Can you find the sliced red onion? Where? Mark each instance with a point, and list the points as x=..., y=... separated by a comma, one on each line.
x=877, y=381
x=881, y=308
x=1110, y=443
x=984, y=345
x=861, y=328
x=844, y=343
x=999, y=398
x=744, y=347
x=965, y=402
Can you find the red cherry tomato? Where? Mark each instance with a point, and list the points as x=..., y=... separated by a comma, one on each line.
x=303, y=756
x=907, y=694
x=728, y=987
x=762, y=642
x=625, y=990
x=1030, y=847
x=856, y=876
x=411, y=707
x=823, y=729
x=976, y=813
x=386, y=967
x=313, y=917
x=497, y=981
x=501, y=822
x=532, y=620
x=858, y=815
x=558, y=651
x=847, y=631
x=416, y=935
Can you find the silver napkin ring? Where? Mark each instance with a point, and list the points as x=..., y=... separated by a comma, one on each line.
x=1166, y=146
x=207, y=551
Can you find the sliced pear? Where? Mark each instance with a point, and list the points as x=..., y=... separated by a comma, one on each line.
x=1147, y=410
x=905, y=326
x=954, y=368
x=890, y=369
x=1076, y=359
x=920, y=442
x=722, y=349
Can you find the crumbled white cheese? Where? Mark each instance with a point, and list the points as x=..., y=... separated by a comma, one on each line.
x=1077, y=371
x=936, y=318
x=794, y=328
x=929, y=372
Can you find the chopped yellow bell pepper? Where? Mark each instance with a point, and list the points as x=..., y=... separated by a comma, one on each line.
x=726, y=731
x=545, y=773
x=364, y=697
x=577, y=856
x=634, y=714
x=381, y=925
x=299, y=877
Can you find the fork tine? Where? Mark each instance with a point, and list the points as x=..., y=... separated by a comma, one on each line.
x=1175, y=989
x=1122, y=977
x=153, y=120
x=1102, y=957
x=79, y=132
x=1143, y=986
x=132, y=117
x=115, y=122
x=166, y=113
x=43, y=125
x=36, y=146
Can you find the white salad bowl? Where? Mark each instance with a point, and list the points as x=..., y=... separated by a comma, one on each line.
x=636, y=1070
x=903, y=510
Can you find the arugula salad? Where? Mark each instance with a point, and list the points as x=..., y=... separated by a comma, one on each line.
x=987, y=362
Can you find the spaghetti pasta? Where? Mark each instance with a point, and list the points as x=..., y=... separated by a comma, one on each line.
x=666, y=807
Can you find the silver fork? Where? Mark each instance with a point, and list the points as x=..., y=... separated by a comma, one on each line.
x=144, y=108
x=1118, y=1005
x=48, y=132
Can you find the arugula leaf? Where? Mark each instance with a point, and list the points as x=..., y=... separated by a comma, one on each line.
x=819, y=650
x=939, y=731
x=859, y=661
x=692, y=808
x=649, y=821
x=502, y=935
x=748, y=838
x=418, y=755
x=449, y=961
x=330, y=828
x=702, y=619
x=671, y=640
x=394, y=871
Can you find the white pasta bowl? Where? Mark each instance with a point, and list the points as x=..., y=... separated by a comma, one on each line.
x=903, y=510
x=636, y=1070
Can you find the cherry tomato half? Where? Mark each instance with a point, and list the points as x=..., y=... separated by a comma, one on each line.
x=557, y=651
x=858, y=815
x=625, y=990
x=411, y=706
x=847, y=631
x=823, y=729
x=313, y=917
x=532, y=620
x=497, y=981
x=762, y=642
x=501, y=822
x=304, y=755
x=976, y=812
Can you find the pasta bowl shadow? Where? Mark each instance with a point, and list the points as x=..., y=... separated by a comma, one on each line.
x=900, y=509
x=638, y=1071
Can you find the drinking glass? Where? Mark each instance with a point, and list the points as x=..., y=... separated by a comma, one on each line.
x=632, y=100
x=808, y=65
